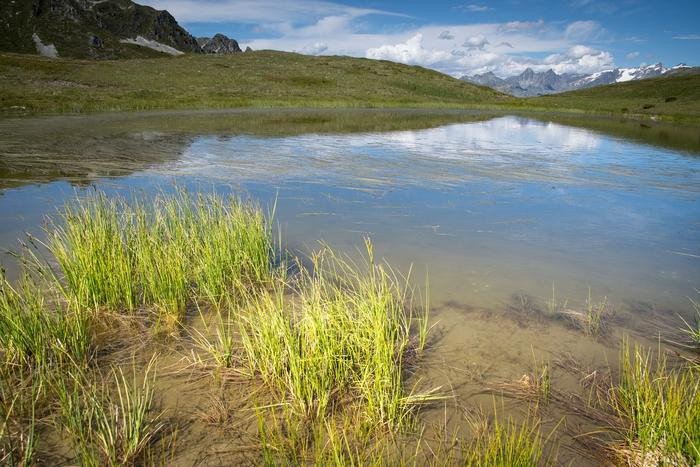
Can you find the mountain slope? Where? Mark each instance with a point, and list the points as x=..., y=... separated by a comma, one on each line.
x=672, y=97
x=266, y=78
x=90, y=29
x=530, y=83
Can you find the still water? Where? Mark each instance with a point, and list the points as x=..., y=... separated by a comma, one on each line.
x=500, y=212
x=490, y=206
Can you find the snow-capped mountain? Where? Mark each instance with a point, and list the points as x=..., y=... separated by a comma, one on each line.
x=531, y=83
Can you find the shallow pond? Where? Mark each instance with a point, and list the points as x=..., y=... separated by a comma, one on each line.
x=502, y=212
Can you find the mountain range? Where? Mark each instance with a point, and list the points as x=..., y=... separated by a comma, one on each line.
x=531, y=83
x=98, y=29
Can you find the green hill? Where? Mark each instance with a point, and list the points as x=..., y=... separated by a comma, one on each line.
x=674, y=98
x=31, y=84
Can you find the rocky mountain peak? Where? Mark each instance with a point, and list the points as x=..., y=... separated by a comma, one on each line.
x=531, y=83
x=219, y=44
x=98, y=29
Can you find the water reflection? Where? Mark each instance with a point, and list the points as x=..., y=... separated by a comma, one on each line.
x=505, y=148
x=492, y=205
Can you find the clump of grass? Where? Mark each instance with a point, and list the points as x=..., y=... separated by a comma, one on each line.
x=692, y=327
x=555, y=306
x=18, y=406
x=159, y=254
x=535, y=386
x=36, y=333
x=345, y=334
x=218, y=341
x=108, y=426
x=595, y=319
x=90, y=242
x=507, y=444
x=661, y=409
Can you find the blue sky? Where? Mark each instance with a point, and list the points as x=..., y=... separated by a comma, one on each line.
x=507, y=36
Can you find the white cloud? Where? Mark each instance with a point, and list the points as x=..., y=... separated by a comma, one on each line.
x=257, y=11
x=584, y=31
x=324, y=27
x=410, y=52
x=688, y=37
x=580, y=59
x=522, y=25
x=315, y=49
x=476, y=42
x=474, y=8
x=632, y=55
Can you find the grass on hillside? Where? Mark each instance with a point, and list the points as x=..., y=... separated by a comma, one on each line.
x=36, y=85
x=258, y=79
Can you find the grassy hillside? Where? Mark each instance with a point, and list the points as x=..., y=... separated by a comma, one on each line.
x=675, y=98
x=37, y=85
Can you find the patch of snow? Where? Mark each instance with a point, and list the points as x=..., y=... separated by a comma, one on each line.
x=626, y=74
x=155, y=45
x=46, y=50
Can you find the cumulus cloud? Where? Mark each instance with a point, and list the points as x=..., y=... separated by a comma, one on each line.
x=324, y=27
x=410, y=52
x=632, y=55
x=580, y=59
x=476, y=42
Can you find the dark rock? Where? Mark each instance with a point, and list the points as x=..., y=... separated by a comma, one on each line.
x=90, y=28
x=248, y=49
x=94, y=41
x=221, y=45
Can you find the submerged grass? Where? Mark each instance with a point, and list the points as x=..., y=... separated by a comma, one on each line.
x=507, y=444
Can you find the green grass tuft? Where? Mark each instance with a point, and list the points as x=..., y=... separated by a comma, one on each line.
x=345, y=333
x=108, y=426
x=662, y=408
x=507, y=445
x=159, y=254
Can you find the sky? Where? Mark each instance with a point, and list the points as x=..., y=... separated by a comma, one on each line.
x=460, y=38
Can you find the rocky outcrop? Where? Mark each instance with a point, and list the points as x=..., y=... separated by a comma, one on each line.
x=103, y=29
x=219, y=44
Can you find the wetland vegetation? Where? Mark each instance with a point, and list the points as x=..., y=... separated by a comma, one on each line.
x=323, y=352
x=539, y=304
